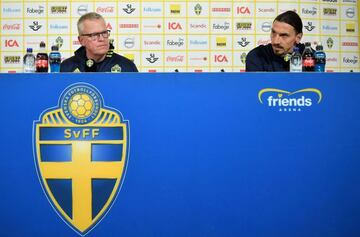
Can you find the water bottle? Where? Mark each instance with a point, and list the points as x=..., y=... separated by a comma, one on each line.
x=54, y=59
x=320, y=58
x=308, y=60
x=29, y=61
x=296, y=61
x=42, y=59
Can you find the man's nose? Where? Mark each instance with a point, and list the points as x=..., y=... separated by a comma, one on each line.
x=101, y=37
x=276, y=39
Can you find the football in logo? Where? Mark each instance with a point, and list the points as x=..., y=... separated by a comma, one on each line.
x=81, y=154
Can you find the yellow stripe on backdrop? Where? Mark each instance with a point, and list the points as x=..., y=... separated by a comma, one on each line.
x=202, y=35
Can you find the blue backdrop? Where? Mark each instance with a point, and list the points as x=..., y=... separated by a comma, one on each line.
x=207, y=158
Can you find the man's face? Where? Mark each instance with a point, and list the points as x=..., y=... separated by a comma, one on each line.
x=96, y=47
x=283, y=38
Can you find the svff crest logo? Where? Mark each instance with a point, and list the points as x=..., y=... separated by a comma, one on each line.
x=81, y=154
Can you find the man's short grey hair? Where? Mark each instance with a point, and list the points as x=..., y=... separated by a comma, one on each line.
x=87, y=16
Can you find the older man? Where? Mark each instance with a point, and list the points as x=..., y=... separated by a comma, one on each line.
x=286, y=32
x=95, y=54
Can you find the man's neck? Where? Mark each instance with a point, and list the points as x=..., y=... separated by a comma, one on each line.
x=96, y=58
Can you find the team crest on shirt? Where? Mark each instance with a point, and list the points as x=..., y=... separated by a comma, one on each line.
x=81, y=154
x=116, y=68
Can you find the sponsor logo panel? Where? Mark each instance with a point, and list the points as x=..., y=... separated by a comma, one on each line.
x=198, y=26
x=174, y=42
x=11, y=43
x=200, y=58
x=330, y=27
x=14, y=43
x=349, y=28
x=350, y=44
x=349, y=12
x=239, y=59
x=266, y=10
x=175, y=58
x=175, y=9
x=221, y=58
x=34, y=10
x=11, y=10
x=329, y=11
x=152, y=59
x=245, y=42
x=62, y=41
x=175, y=26
x=56, y=9
x=81, y=8
x=218, y=9
x=244, y=26
x=106, y=9
x=59, y=27
x=152, y=26
x=311, y=27
x=220, y=26
x=128, y=42
x=350, y=1
x=153, y=42
x=219, y=42
x=309, y=11
x=263, y=26
x=35, y=27
x=11, y=59
x=244, y=9
x=332, y=59
x=330, y=43
x=128, y=9
x=198, y=9
x=11, y=27
x=130, y=26
x=349, y=60
x=152, y=9
x=198, y=42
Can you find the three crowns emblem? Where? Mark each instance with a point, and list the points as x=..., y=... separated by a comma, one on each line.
x=81, y=153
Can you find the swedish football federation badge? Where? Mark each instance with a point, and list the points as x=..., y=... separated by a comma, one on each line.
x=81, y=149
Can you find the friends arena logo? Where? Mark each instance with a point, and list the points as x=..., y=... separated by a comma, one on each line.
x=286, y=101
x=81, y=153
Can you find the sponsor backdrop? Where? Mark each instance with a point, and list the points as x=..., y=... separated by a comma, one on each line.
x=183, y=36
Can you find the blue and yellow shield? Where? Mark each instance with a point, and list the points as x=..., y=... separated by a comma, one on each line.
x=81, y=150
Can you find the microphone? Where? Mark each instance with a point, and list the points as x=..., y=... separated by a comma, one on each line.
x=90, y=66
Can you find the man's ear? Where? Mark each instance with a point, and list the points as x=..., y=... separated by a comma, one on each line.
x=81, y=40
x=298, y=37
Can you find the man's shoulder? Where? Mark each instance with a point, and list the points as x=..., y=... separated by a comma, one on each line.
x=69, y=64
x=126, y=64
x=260, y=50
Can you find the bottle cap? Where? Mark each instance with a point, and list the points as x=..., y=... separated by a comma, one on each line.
x=54, y=48
x=29, y=50
x=319, y=47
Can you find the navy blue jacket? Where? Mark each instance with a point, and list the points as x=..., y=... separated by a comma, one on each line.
x=112, y=63
x=263, y=59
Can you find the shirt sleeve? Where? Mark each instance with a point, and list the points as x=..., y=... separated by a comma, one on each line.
x=253, y=62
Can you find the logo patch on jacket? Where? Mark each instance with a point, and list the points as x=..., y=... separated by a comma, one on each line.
x=116, y=68
x=81, y=149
